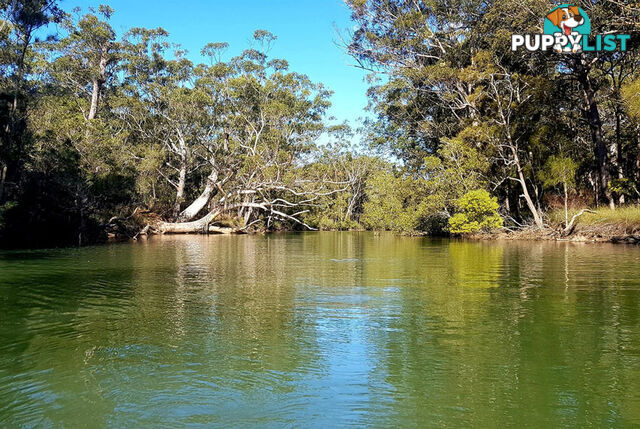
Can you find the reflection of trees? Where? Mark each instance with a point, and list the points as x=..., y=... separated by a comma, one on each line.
x=517, y=331
x=230, y=299
x=51, y=317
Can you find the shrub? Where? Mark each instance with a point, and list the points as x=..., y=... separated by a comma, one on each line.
x=394, y=203
x=477, y=211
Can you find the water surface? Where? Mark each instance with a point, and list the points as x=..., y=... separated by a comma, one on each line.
x=321, y=329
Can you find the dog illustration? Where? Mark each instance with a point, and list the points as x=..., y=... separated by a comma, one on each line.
x=566, y=19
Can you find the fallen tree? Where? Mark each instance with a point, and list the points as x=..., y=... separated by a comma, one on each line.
x=200, y=226
x=203, y=225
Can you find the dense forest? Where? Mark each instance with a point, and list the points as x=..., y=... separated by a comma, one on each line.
x=115, y=135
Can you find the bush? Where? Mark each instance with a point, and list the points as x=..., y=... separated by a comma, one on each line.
x=394, y=203
x=477, y=211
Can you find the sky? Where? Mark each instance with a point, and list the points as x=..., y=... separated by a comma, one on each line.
x=307, y=32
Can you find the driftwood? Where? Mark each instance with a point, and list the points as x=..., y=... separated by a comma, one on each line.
x=569, y=228
x=200, y=226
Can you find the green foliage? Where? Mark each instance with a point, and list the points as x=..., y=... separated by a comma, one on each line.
x=457, y=81
x=477, y=211
x=559, y=170
x=623, y=186
x=94, y=125
x=456, y=169
x=631, y=97
x=395, y=203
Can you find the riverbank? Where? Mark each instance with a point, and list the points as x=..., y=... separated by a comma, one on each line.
x=582, y=236
x=599, y=226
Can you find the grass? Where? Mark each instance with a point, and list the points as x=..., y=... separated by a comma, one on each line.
x=622, y=220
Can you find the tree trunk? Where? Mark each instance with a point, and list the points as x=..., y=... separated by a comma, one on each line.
x=3, y=177
x=617, y=158
x=182, y=181
x=532, y=208
x=592, y=116
x=95, y=96
x=182, y=176
x=98, y=81
x=566, y=206
x=200, y=226
x=352, y=204
x=200, y=202
x=19, y=77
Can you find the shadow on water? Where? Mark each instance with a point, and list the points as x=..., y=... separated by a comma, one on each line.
x=321, y=329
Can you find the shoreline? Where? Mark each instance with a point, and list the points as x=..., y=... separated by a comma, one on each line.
x=552, y=235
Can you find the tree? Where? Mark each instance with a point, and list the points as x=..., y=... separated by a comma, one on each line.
x=271, y=119
x=163, y=107
x=21, y=21
x=440, y=72
x=349, y=167
x=477, y=211
x=560, y=170
x=444, y=82
x=83, y=62
x=394, y=203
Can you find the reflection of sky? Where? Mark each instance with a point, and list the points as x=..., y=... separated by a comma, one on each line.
x=351, y=379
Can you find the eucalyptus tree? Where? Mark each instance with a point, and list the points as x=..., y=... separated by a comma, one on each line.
x=213, y=140
x=85, y=59
x=161, y=108
x=588, y=69
x=79, y=75
x=20, y=22
x=444, y=70
x=560, y=170
x=443, y=81
x=257, y=143
x=341, y=160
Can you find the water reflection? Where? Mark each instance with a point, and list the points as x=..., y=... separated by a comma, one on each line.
x=321, y=329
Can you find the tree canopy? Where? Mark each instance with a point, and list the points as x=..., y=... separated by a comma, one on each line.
x=101, y=131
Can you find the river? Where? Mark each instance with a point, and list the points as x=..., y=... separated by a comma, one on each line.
x=321, y=329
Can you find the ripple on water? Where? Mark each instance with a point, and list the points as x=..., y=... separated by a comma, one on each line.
x=321, y=330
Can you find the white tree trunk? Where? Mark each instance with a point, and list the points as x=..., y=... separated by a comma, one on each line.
x=196, y=206
x=182, y=181
x=98, y=82
x=525, y=191
x=566, y=206
x=200, y=226
x=182, y=176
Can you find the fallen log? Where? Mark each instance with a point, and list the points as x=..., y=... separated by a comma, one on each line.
x=203, y=225
x=222, y=230
x=200, y=226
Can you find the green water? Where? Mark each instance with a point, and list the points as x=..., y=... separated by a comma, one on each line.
x=322, y=330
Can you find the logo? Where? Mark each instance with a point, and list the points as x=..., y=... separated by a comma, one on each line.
x=567, y=29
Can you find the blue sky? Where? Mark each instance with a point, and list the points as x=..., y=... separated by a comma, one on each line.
x=306, y=31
